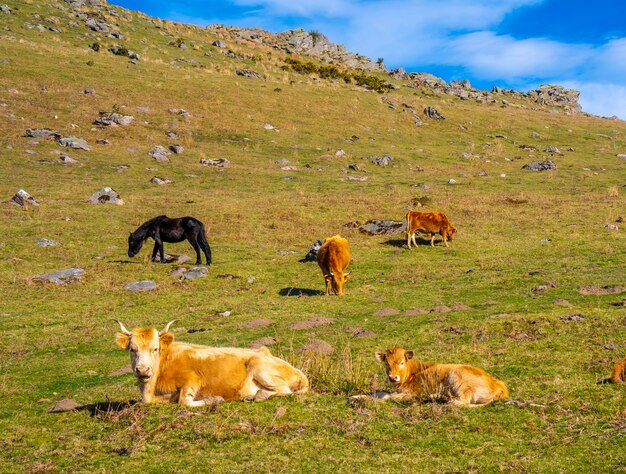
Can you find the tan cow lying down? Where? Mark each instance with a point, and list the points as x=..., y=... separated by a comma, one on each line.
x=429, y=224
x=455, y=383
x=172, y=371
x=333, y=257
x=619, y=372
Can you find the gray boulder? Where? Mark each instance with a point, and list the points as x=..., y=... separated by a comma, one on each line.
x=433, y=113
x=552, y=149
x=195, y=272
x=178, y=149
x=113, y=118
x=96, y=25
x=218, y=44
x=159, y=153
x=4, y=8
x=376, y=227
x=382, y=160
x=248, y=73
x=217, y=162
x=42, y=133
x=47, y=243
x=160, y=181
x=22, y=198
x=62, y=277
x=540, y=166
x=144, y=285
x=106, y=196
x=74, y=142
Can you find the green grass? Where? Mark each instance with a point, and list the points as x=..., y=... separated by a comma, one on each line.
x=57, y=342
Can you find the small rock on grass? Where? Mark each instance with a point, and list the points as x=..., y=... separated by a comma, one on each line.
x=106, y=196
x=22, y=198
x=196, y=272
x=144, y=285
x=573, y=317
x=62, y=277
x=47, y=243
x=62, y=406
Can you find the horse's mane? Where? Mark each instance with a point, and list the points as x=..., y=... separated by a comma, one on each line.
x=142, y=230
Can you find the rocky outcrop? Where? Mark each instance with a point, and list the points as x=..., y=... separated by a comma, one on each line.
x=552, y=94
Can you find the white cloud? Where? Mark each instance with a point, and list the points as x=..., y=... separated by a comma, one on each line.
x=601, y=98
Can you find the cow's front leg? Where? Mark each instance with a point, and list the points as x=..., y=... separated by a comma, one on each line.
x=432, y=240
x=187, y=397
x=408, y=240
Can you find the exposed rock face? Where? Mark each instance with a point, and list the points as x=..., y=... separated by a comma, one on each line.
x=22, y=198
x=433, y=113
x=43, y=133
x=113, y=118
x=248, y=73
x=551, y=94
x=62, y=277
x=375, y=227
x=382, y=160
x=540, y=166
x=74, y=142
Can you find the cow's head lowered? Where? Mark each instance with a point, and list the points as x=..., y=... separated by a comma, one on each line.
x=337, y=280
x=396, y=362
x=145, y=346
x=450, y=231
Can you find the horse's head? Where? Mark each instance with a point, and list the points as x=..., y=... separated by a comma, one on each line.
x=134, y=245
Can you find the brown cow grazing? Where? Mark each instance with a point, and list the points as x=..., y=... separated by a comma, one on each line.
x=458, y=384
x=619, y=372
x=429, y=224
x=333, y=257
x=189, y=374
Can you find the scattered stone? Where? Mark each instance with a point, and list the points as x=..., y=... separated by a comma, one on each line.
x=562, y=302
x=611, y=227
x=288, y=168
x=311, y=256
x=285, y=252
x=382, y=160
x=106, y=196
x=432, y=113
x=351, y=225
x=312, y=323
x=268, y=126
x=482, y=173
x=144, y=285
x=178, y=149
x=360, y=332
x=218, y=44
x=257, y=323
x=452, y=181
x=182, y=112
x=217, y=162
x=573, y=317
x=88, y=92
x=386, y=312
x=248, y=73
x=543, y=288
x=196, y=272
x=460, y=307
x=539, y=166
x=600, y=291
x=357, y=178
x=42, y=133
x=22, y=198
x=121, y=168
x=4, y=8
x=127, y=369
x=113, y=118
x=98, y=26
x=62, y=406
x=354, y=167
x=225, y=313
x=376, y=227
x=415, y=312
x=534, y=134
x=282, y=161
x=552, y=149
x=67, y=159
x=177, y=272
x=340, y=153
x=160, y=181
x=62, y=277
x=172, y=135
x=159, y=153
x=47, y=243
x=74, y=142
x=621, y=155
x=264, y=341
x=317, y=346
x=440, y=309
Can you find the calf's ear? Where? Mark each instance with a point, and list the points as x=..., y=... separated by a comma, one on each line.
x=122, y=341
x=380, y=356
x=165, y=340
x=409, y=354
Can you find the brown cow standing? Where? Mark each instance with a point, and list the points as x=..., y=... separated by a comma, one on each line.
x=333, y=258
x=430, y=224
x=194, y=375
x=458, y=384
x=619, y=372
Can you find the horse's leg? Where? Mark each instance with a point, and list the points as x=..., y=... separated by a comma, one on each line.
x=193, y=240
x=155, y=250
x=158, y=243
x=205, y=248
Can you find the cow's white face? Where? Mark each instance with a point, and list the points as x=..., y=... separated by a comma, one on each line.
x=145, y=346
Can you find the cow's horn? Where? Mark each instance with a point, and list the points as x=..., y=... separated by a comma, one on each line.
x=346, y=274
x=167, y=326
x=122, y=328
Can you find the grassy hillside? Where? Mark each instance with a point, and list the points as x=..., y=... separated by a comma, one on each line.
x=517, y=230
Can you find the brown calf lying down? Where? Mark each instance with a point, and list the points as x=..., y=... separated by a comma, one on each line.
x=455, y=383
x=619, y=372
x=190, y=374
x=429, y=224
x=333, y=257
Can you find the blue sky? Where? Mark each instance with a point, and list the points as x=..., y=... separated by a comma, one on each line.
x=510, y=43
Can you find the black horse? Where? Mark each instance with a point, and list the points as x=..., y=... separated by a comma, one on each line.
x=163, y=229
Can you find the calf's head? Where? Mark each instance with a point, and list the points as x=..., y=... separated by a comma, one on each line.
x=396, y=362
x=145, y=346
x=337, y=280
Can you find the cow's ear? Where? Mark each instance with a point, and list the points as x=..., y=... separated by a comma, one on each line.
x=409, y=354
x=166, y=339
x=122, y=341
x=380, y=356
